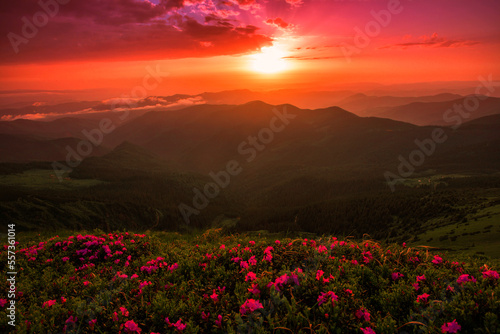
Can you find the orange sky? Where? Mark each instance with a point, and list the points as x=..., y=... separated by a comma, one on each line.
x=210, y=45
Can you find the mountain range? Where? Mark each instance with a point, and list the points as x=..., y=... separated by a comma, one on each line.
x=202, y=138
x=281, y=167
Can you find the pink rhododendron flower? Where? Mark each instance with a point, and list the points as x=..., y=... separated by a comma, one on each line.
x=3, y=302
x=363, y=314
x=205, y=316
x=416, y=286
x=490, y=274
x=465, y=278
x=367, y=256
x=71, y=320
x=251, y=243
x=49, y=303
x=324, y=296
x=132, y=327
x=414, y=259
x=252, y=261
x=214, y=296
x=396, y=276
x=251, y=276
x=124, y=311
x=451, y=327
x=295, y=278
x=218, y=322
x=327, y=280
x=319, y=273
x=423, y=297
x=322, y=249
x=249, y=306
x=437, y=259
x=420, y=278
x=282, y=280
x=179, y=325
x=268, y=257
x=368, y=330
x=254, y=289
x=144, y=283
x=92, y=324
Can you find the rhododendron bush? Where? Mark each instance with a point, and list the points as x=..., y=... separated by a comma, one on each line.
x=137, y=283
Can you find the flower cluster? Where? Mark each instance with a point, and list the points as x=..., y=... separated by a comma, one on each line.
x=133, y=283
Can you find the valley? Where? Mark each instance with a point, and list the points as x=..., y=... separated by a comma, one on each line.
x=256, y=167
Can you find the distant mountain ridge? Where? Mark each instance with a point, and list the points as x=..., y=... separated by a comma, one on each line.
x=358, y=103
x=419, y=110
x=363, y=104
x=203, y=138
x=434, y=113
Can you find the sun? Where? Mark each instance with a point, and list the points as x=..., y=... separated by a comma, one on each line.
x=270, y=60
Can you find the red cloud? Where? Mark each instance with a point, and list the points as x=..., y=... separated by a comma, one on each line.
x=432, y=41
x=247, y=4
x=295, y=2
x=128, y=30
x=279, y=22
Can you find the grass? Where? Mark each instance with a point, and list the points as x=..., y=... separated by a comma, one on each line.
x=435, y=180
x=212, y=282
x=478, y=235
x=39, y=179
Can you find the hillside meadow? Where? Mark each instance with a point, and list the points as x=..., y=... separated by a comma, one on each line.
x=212, y=282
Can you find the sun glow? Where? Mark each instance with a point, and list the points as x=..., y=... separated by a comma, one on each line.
x=270, y=60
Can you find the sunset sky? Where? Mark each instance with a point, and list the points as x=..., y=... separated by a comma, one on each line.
x=210, y=45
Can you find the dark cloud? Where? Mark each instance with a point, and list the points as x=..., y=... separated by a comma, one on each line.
x=278, y=22
x=127, y=30
x=433, y=41
x=172, y=4
x=312, y=58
